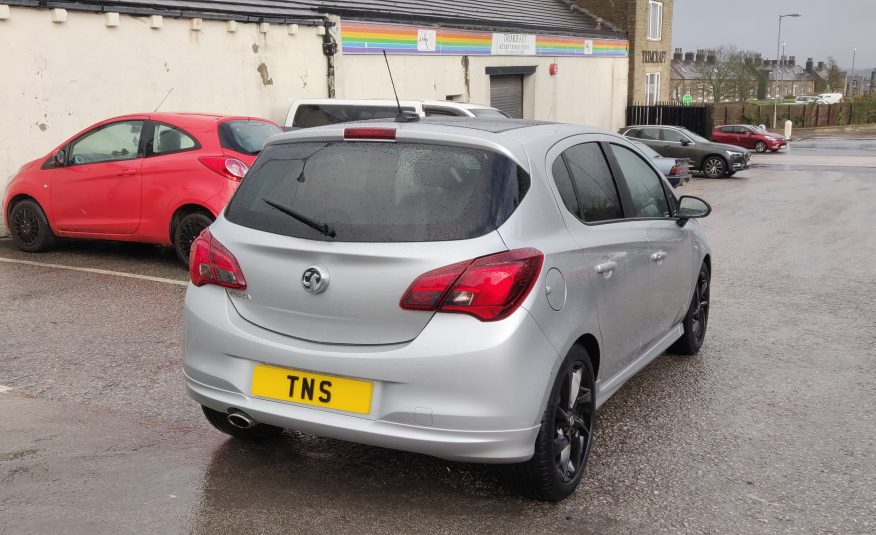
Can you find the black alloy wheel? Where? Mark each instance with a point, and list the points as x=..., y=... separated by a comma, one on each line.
x=565, y=437
x=697, y=319
x=714, y=167
x=188, y=229
x=573, y=421
x=29, y=227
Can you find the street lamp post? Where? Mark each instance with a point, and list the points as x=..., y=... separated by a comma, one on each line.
x=852, y=79
x=778, y=51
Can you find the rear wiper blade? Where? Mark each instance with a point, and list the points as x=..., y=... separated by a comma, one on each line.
x=322, y=228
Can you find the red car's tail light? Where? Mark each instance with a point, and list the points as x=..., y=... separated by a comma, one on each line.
x=489, y=288
x=211, y=263
x=370, y=133
x=230, y=168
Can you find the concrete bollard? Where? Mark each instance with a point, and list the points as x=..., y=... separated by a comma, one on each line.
x=788, y=127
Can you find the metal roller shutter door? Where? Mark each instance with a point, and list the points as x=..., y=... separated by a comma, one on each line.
x=506, y=94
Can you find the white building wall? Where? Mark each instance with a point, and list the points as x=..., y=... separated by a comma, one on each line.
x=59, y=77
x=589, y=91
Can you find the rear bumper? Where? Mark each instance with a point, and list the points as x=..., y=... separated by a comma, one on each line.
x=462, y=390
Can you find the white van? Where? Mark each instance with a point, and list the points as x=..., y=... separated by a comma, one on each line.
x=831, y=98
x=310, y=112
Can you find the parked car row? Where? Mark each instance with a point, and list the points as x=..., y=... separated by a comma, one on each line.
x=714, y=160
x=163, y=177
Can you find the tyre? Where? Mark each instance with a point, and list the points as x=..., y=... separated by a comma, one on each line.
x=714, y=167
x=219, y=420
x=760, y=147
x=189, y=228
x=697, y=318
x=566, y=435
x=30, y=228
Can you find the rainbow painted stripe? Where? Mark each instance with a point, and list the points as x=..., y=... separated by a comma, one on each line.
x=374, y=38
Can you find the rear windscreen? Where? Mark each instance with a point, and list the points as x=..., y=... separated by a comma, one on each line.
x=378, y=192
x=310, y=115
x=246, y=137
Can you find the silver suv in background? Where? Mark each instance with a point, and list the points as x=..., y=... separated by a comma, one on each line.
x=311, y=112
x=470, y=289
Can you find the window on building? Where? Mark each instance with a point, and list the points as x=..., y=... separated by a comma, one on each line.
x=655, y=20
x=652, y=88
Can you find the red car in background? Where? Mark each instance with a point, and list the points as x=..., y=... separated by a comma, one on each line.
x=747, y=136
x=154, y=177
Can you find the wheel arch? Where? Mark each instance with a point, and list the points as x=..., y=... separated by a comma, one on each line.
x=183, y=211
x=591, y=345
x=17, y=198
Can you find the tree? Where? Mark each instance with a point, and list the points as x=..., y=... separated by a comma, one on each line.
x=836, y=77
x=727, y=74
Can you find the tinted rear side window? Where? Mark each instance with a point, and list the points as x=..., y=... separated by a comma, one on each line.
x=594, y=183
x=310, y=115
x=379, y=192
x=246, y=137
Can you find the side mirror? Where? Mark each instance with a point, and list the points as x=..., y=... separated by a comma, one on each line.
x=685, y=142
x=60, y=158
x=690, y=207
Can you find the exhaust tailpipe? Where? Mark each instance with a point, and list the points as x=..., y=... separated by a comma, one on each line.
x=241, y=420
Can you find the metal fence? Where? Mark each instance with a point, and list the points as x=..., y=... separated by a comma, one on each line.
x=696, y=118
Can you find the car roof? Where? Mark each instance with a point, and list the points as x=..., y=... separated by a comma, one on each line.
x=184, y=116
x=460, y=105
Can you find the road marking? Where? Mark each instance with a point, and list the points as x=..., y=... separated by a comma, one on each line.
x=95, y=270
x=5, y=389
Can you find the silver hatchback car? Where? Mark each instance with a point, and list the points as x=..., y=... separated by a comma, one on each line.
x=471, y=289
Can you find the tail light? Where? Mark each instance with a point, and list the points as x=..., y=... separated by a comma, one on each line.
x=211, y=263
x=489, y=288
x=230, y=168
x=674, y=171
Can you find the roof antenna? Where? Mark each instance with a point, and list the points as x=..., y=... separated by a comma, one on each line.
x=403, y=116
x=165, y=98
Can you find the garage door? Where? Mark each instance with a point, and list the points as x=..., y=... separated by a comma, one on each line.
x=506, y=94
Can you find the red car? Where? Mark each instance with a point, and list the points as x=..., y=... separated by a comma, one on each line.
x=747, y=136
x=153, y=177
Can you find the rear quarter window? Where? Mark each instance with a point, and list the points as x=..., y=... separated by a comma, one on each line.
x=379, y=192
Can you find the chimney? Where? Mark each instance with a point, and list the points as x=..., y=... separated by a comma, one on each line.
x=758, y=60
x=792, y=61
x=701, y=56
x=711, y=58
x=678, y=55
x=820, y=65
x=749, y=62
x=810, y=64
x=689, y=57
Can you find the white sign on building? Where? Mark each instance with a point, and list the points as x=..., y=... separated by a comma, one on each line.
x=427, y=40
x=513, y=44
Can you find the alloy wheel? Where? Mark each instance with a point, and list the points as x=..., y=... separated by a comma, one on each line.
x=713, y=168
x=701, y=307
x=188, y=232
x=573, y=421
x=26, y=226
x=760, y=146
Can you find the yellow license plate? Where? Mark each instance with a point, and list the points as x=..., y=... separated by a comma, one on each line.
x=349, y=395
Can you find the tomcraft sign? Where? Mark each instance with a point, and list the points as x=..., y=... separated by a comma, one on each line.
x=513, y=44
x=653, y=56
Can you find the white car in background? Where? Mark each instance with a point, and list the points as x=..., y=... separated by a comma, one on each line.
x=810, y=99
x=310, y=112
x=831, y=98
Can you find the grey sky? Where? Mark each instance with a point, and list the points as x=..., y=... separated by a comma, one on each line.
x=827, y=27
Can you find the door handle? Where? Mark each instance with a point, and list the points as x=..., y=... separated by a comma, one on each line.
x=658, y=256
x=127, y=172
x=606, y=267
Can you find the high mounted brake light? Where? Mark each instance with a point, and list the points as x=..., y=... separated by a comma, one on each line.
x=386, y=134
x=489, y=288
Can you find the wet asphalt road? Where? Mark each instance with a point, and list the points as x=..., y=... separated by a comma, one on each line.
x=770, y=429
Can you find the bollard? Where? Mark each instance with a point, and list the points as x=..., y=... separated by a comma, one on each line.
x=788, y=127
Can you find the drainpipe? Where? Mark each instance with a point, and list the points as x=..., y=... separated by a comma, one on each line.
x=329, y=48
